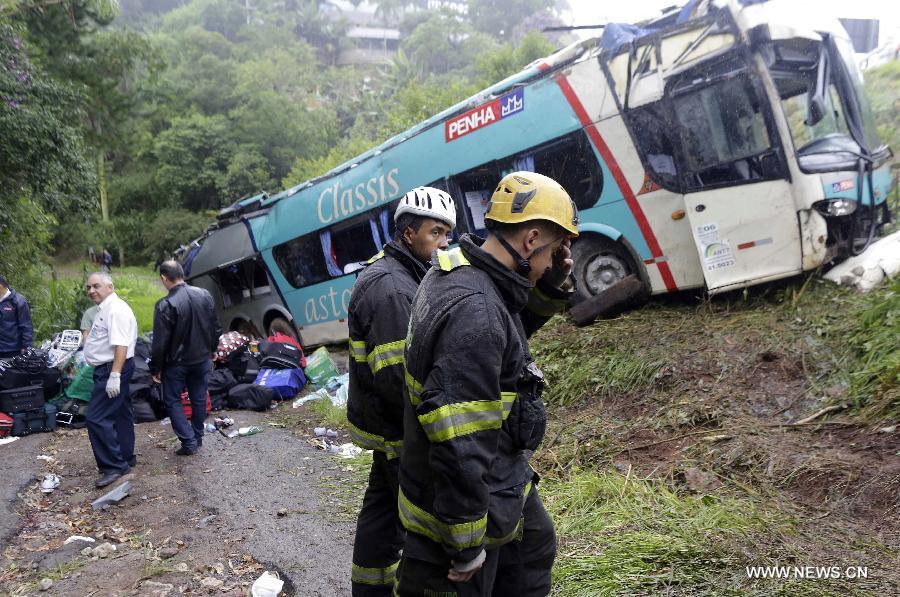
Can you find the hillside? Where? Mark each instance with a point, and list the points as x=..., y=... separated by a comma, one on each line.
x=682, y=448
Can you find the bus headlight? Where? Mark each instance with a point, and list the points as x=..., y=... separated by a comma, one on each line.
x=835, y=207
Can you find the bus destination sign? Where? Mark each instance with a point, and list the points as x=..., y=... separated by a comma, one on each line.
x=480, y=117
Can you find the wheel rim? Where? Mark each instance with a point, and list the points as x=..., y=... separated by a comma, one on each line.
x=602, y=271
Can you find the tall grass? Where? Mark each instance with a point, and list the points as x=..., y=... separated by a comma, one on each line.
x=141, y=291
x=875, y=372
x=621, y=535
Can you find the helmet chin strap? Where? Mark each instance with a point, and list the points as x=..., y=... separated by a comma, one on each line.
x=523, y=264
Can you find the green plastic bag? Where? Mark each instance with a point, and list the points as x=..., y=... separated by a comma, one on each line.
x=82, y=384
x=319, y=366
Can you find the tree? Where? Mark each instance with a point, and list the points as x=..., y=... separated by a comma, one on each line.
x=192, y=155
x=498, y=18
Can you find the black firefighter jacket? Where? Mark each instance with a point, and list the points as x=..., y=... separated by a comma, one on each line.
x=186, y=328
x=379, y=314
x=474, y=413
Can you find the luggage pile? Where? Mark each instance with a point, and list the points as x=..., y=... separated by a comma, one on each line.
x=254, y=375
x=50, y=386
x=25, y=382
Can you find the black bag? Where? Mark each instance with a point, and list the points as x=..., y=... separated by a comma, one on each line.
x=141, y=379
x=21, y=399
x=143, y=411
x=32, y=360
x=280, y=355
x=220, y=381
x=12, y=378
x=237, y=361
x=37, y=420
x=52, y=381
x=250, y=397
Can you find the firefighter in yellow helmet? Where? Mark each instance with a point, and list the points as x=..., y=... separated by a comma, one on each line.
x=473, y=413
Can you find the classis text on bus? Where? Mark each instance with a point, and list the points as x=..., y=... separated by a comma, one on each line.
x=336, y=202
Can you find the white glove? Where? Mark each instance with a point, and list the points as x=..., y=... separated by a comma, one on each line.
x=113, y=384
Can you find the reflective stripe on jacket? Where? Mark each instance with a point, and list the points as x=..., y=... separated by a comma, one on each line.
x=378, y=317
x=470, y=423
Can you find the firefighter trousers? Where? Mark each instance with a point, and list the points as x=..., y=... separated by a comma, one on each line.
x=519, y=568
x=379, y=534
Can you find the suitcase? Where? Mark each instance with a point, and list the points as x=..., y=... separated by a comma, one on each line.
x=12, y=379
x=186, y=404
x=21, y=399
x=281, y=355
x=6, y=424
x=38, y=420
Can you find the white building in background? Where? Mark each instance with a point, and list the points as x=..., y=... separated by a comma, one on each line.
x=375, y=40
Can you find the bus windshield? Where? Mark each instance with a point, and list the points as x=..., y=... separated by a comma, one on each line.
x=794, y=66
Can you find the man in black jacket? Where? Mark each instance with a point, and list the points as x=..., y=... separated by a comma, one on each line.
x=16, y=332
x=474, y=413
x=186, y=332
x=379, y=314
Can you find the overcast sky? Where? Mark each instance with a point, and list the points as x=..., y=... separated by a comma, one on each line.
x=593, y=12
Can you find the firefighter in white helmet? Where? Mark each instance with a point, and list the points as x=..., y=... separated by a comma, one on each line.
x=378, y=316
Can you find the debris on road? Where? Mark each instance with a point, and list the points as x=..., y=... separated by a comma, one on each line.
x=266, y=585
x=49, y=483
x=612, y=301
x=116, y=495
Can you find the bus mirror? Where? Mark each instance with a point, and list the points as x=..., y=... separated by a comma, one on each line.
x=815, y=101
x=815, y=108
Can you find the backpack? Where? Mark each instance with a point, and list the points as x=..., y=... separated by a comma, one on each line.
x=220, y=381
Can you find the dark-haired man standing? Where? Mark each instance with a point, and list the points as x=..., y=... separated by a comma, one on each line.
x=186, y=331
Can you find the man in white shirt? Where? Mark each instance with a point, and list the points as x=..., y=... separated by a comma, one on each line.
x=109, y=348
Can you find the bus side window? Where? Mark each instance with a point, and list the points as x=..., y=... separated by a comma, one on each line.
x=725, y=136
x=475, y=188
x=571, y=162
x=654, y=137
x=356, y=243
x=301, y=261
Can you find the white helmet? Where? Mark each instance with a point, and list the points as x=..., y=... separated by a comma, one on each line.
x=430, y=203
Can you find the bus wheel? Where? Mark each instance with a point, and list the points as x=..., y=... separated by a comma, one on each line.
x=599, y=263
x=242, y=326
x=282, y=326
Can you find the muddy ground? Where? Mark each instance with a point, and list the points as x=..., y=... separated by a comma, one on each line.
x=209, y=523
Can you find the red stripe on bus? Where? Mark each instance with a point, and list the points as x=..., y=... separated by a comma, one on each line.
x=619, y=177
x=749, y=245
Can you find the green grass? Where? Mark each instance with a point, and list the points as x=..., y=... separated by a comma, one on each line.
x=621, y=535
x=875, y=375
x=841, y=337
x=328, y=413
x=140, y=290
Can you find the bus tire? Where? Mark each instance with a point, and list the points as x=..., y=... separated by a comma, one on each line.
x=244, y=327
x=599, y=264
x=281, y=325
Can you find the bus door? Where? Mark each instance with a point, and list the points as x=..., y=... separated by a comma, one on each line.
x=737, y=195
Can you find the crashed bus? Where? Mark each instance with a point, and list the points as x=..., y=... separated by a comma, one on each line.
x=719, y=149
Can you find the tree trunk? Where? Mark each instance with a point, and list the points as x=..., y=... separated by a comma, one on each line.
x=101, y=183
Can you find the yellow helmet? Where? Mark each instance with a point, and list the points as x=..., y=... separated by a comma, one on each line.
x=525, y=196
